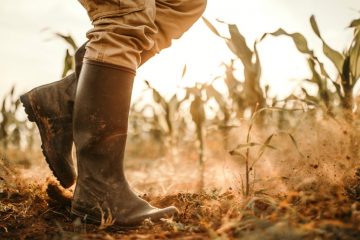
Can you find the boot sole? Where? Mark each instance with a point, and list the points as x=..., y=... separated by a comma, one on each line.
x=33, y=116
x=85, y=217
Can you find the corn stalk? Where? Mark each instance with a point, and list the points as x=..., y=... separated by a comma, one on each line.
x=332, y=90
x=251, y=94
x=166, y=112
x=347, y=64
x=199, y=97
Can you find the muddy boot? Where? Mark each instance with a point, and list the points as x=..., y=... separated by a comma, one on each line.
x=100, y=130
x=50, y=107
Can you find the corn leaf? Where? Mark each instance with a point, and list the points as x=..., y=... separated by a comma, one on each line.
x=334, y=56
x=299, y=40
x=308, y=97
x=211, y=27
x=68, y=39
x=322, y=69
x=265, y=145
x=316, y=78
x=68, y=63
x=211, y=92
x=238, y=154
x=257, y=67
x=247, y=145
x=355, y=23
x=239, y=46
x=355, y=56
x=184, y=72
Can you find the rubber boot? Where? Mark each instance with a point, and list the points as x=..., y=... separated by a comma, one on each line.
x=100, y=129
x=51, y=106
x=55, y=121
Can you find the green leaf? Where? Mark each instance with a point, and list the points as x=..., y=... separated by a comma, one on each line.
x=322, y=69
x=334, y=56
x=211, y=92
x=68, y=39
x=238, y=154
x=308, y=97
x=314, y=26
x=355, y=56
x=157, y=96
x=355, y=23
x=184, y=72
x=265, y=146
x=298, y=39
x=247, y=145
x=316, y=78
x=239, y=46
x=211, y=27
x=257, y=67
x=68, y=63
x=293, y=140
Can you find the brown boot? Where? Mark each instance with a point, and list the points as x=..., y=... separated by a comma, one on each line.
x=50, y=107
x=100, y=129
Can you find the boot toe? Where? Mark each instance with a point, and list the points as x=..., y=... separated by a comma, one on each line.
x=170, y=211
x=155, y=214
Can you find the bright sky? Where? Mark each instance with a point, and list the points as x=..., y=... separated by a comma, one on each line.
x=31, y=56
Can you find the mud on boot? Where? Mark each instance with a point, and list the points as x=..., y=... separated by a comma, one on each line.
x=100, y=130
x=50, y=107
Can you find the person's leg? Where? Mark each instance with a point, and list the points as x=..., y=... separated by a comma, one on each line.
x=172, y=19
x=100, y=118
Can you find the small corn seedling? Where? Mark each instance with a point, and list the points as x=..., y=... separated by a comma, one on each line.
x=243, y=150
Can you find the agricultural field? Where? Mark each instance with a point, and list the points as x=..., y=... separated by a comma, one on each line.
x=238, y=163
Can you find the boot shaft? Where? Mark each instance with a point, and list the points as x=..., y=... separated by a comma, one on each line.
x=100, y=122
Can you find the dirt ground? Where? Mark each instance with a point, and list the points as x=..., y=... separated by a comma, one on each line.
x=33, y=210
x=315, y=195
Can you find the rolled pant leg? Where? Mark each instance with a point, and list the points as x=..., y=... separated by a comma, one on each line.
x=122, y=30
x=173, y=18
x=129, y=32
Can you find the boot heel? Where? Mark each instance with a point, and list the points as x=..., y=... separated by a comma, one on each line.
x=25, y=100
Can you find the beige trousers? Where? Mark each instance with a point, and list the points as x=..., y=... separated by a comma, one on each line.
x=129, y=32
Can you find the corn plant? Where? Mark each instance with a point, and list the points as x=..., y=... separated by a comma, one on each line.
x=197, y=111
x=13, y=130
x=165, y=113
x=247, y=93
x=248, y=185
x=199, y=97
x=347, y=64
x=69, y=64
